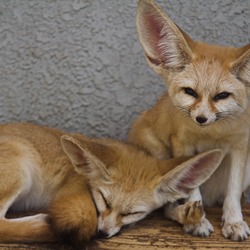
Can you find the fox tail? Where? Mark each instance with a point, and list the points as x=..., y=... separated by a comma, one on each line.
x=33, y=228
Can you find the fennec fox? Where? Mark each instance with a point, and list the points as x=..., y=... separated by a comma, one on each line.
x=69, y=176
x=206, y=106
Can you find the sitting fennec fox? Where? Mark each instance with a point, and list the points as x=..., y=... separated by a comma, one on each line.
x=206, y=106
x=70, y=176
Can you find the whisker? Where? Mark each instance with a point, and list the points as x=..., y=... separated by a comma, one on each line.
x=184, y=110
x=229, y=116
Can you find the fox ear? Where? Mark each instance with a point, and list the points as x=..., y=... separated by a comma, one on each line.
x=180, y=181
x=241, y=67
x=88, y=158
x=166, y=46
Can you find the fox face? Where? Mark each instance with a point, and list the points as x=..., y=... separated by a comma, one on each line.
x=207, y=83
x=127, y=184
x=117, y=207
x=208, y=93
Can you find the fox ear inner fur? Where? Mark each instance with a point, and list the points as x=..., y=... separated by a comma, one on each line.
x=190, y=174
x=241, y=67
x=83, y=159
x=165, y=44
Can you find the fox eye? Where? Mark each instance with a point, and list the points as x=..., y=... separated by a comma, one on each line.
x=222, y=95
x=105, y=201
x=191, y=92
x=133, y=213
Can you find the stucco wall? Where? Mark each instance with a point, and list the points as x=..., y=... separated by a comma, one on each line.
x=78, y=65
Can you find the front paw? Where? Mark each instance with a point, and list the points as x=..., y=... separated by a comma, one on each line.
x=193, y=212
x=188, y=213
x=238, y=231
x=203, y=228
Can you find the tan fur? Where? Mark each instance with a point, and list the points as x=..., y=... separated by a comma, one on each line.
x=206, y=106
x=26, y=231
x=68, y=176
x=36, y=173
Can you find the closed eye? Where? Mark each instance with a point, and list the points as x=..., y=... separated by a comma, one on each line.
x=190, y=91
x=105, y=200
x=221, y=96
x=128, y=218
x=133, y=213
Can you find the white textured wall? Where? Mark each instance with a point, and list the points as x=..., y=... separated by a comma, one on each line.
x=78, y=65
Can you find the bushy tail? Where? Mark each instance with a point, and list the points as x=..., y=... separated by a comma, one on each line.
x=27, y=229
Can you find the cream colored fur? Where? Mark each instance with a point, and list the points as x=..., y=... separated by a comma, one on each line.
x=68, y=176
x=206, y=106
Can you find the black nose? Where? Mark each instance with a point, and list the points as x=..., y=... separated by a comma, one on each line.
x=201, y=119
x=103, y=234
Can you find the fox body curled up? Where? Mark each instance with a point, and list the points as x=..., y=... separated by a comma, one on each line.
x=206, y=106
x=69, y=176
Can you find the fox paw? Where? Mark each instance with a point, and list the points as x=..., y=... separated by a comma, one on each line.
x=193, y=212
x=203, y=228
x=238, y=231
x=189, y=213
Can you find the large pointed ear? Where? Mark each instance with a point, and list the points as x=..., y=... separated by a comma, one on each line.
x=88, y=158
x=241, y=67
x=179, y=182
x=166, y=46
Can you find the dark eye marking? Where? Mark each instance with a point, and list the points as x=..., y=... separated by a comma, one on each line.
x=190, y=91
x=221, y=96
x=105, y=200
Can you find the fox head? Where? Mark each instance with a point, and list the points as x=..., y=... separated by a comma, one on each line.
x=126, y=184
x=207, y=83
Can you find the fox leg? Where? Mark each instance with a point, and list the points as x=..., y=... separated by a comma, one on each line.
x=10, y=189
x=191, y=215
x=144, y=136
x=233, y=225
x=25, y=229
x=72, y=215
x=203, y=227
x=185, y=214
x=14, y=174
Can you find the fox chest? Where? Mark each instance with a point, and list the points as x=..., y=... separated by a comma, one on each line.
x=191, y=144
